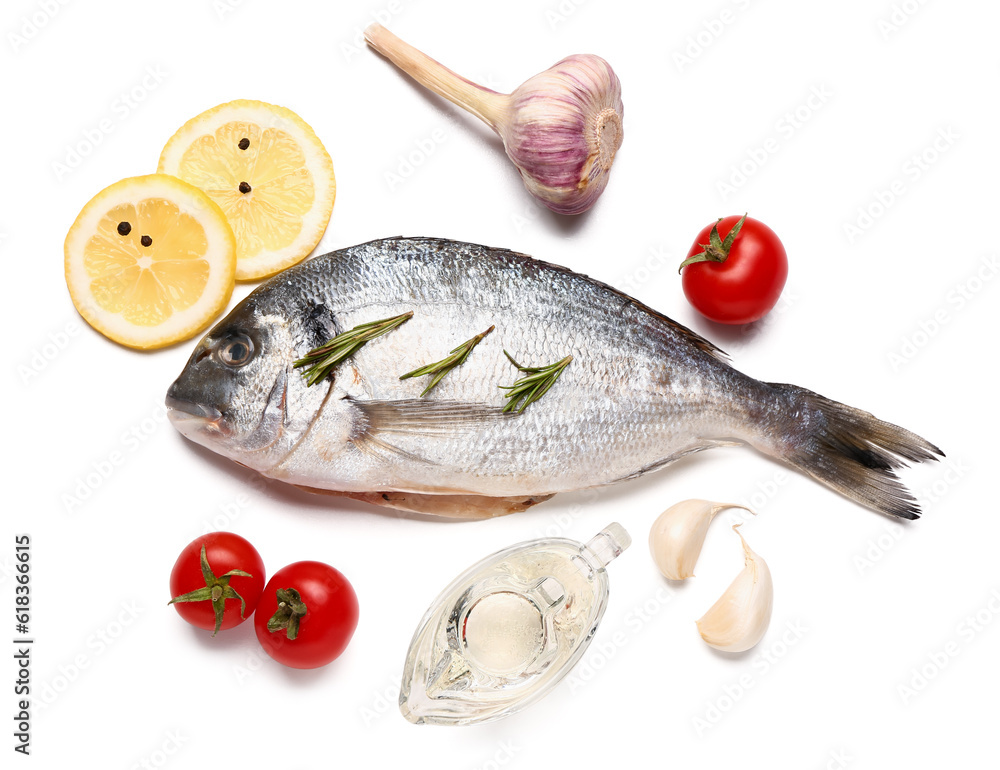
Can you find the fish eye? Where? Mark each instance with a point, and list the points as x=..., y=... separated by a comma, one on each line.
x=236, y=350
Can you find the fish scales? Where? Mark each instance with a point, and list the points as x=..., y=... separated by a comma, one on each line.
x=610, y=398
x=640, y=391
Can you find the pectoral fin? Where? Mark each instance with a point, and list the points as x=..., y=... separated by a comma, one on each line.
x=379, y=421
x=428, y=418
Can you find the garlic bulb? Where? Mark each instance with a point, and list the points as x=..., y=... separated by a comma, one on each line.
x=738, y=620
x=676, y=537
x=561, y=128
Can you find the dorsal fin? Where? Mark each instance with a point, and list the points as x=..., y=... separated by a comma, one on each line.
x=689, y=336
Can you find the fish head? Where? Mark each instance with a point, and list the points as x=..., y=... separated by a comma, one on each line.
x=239, y=394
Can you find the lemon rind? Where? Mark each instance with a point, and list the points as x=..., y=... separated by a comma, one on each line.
x=220, y=254
x=318, y=160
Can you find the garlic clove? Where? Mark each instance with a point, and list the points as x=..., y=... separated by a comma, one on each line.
x=739, y=619
x=678, y=534
x=562, y=128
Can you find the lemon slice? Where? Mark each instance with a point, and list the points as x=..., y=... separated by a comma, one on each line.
x=269, y=173
x=150, y=261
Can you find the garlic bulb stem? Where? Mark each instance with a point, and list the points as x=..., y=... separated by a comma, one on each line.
x=489, y=106
x=739, y=619
x=561, y=127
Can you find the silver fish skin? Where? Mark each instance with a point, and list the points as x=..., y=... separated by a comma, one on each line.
x=640, y=392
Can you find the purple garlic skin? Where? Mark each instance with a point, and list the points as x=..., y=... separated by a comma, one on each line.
x=562, y=129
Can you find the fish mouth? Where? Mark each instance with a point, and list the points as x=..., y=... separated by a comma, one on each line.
x=193, y=420
x=180, y=409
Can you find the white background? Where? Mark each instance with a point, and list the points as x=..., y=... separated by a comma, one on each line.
x=902, y=93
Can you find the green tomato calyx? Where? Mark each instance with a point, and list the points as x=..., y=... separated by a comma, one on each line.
x=216, y=591
x=716, y=250
x=291, y=610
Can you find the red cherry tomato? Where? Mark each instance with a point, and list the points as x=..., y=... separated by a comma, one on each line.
x=307, y=615
x=217, y=581
x=738, y=280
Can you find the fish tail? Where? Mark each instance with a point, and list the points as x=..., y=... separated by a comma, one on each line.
x=847, y=449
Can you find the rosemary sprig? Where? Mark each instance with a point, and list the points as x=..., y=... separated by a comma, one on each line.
x=529, y=389
x=322, y=360
x=441, y=368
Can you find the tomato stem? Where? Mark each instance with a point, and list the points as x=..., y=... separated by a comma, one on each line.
x=716, y=250
x=216, y=591
x=291, y=610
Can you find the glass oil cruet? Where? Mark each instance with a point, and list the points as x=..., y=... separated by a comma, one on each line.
x=508, y=629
